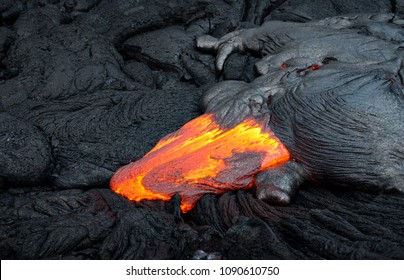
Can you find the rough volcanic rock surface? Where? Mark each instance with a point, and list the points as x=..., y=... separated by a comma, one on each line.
x=87, y=86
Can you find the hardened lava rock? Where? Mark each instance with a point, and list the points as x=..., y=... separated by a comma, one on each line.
x=84, y=90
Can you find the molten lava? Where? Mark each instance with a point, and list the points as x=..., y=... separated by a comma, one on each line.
x=199, y=158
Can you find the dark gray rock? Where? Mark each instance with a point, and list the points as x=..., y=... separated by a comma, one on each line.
x=302, y=11
x=25, y=154
x=99, y=224
x=76, y=105
x=7, y=36
x=331, y=90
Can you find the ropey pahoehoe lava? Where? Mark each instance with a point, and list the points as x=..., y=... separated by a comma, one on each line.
x=201, y=157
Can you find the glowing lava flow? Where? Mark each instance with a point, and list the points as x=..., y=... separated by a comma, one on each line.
x=199, y=158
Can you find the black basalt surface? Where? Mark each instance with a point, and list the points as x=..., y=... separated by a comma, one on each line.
x=88, y=86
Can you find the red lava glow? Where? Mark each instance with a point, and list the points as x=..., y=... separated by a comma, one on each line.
x=199, y=158
x=315, y=67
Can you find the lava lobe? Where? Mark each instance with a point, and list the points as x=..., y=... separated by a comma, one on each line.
x=202, y=157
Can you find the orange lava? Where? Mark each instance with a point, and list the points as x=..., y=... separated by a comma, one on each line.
x=315, y=67
x=199, y=158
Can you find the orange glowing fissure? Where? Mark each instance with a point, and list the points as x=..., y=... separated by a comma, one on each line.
x=199, y=158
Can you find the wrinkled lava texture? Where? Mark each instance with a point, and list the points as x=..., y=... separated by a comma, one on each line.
x=89, y=86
